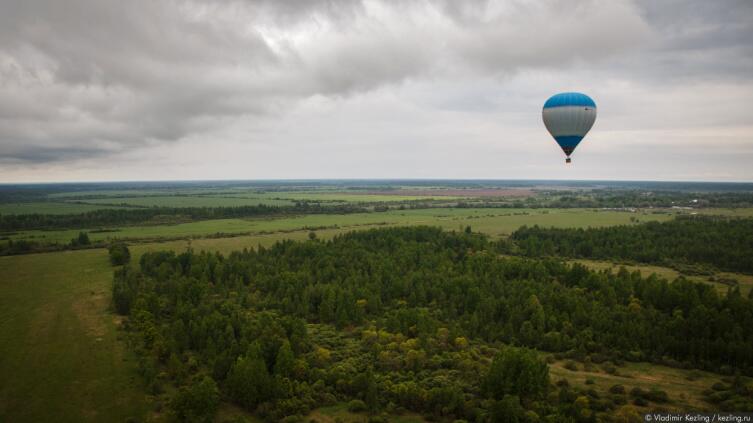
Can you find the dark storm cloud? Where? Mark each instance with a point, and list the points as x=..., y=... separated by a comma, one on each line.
x=88, y=78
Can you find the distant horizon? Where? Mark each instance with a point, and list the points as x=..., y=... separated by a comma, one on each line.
x=438, y=179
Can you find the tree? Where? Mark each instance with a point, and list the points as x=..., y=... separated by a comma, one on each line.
x=517, y=371
x=196, y=403
x=249, y=382
x=81, y=239
x=285, y=361
x=119, y=254
x=507, y=410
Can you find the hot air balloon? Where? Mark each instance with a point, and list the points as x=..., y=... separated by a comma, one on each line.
x=569, y=117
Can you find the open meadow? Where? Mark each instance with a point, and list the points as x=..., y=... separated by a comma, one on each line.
x=493, y=222
x=60, y=353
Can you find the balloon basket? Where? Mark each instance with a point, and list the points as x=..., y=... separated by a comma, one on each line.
x=567, y=160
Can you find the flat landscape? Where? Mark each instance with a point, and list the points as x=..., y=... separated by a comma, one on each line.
x=373, y=211
x=61, y=333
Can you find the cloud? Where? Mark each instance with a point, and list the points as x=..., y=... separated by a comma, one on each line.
x=101, y=79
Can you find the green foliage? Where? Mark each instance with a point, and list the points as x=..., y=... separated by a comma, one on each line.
x=617, y=389
x=131, y=215
x=119, y=253
x=81, y=240
x=409, y=317
x=249, y=383
x=508, y=410
x=196, y=403
x=726, y=243
x=517, y=371
x=285, y=361
x=356, y=406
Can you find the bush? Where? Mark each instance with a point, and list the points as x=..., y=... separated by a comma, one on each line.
x=198, y=402
x=571, y=365
x=609, y=368
x=718, y=386
x=640, y=402
x=356, y=406
x=657, y=395
x=637, y=392
x=119, y=254
x=81, y=240
x=693, y=375
x=617, y=389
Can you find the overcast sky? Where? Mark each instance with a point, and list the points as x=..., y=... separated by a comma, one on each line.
x=146, y=90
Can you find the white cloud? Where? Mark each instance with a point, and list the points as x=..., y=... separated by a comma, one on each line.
x=265, y=89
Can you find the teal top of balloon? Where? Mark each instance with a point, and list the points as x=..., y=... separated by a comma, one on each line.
x=569, y=99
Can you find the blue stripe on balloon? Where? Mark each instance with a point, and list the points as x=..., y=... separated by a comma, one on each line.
x=568, y=140
x=569, y=99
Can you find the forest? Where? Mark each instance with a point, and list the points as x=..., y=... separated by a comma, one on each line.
x=414, y=319
x=157, y=215
x=723, y=243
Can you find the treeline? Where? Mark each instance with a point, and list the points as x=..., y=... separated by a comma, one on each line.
x=618, y=199
x=725, y=243
x=110, y=217
x=648, y=199
x=408, y=318
x=23, y=246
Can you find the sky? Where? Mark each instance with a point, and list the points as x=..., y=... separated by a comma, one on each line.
x=105, y=90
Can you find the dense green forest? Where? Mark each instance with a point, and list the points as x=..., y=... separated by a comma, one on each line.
x=726, y=244
x=160, y=215
x=413, y=319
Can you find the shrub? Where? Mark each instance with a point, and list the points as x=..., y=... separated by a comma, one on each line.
x=356, y=406
x=657, y=395
x=693, y=375
x=198, y=402
x=609, y=368
x=617, y=389
x=571, y=365
x=119, y=254
x=640, y=402
x=637, y=392
x=718, y=386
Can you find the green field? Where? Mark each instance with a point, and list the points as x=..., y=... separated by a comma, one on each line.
x=60, y=358
x=494, y=222
x=349, y=196
x=189, y=201
x=684, y=394
x=50, y=207
x=744, y=281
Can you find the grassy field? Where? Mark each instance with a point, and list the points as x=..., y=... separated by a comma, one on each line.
x=60, y=358
x=50, y=207
x=684, y=394
x=494, y=222
x=744, y=281
x=349, y=196
x=189, y=201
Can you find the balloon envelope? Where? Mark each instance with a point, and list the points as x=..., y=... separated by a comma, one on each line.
x=569, y=117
